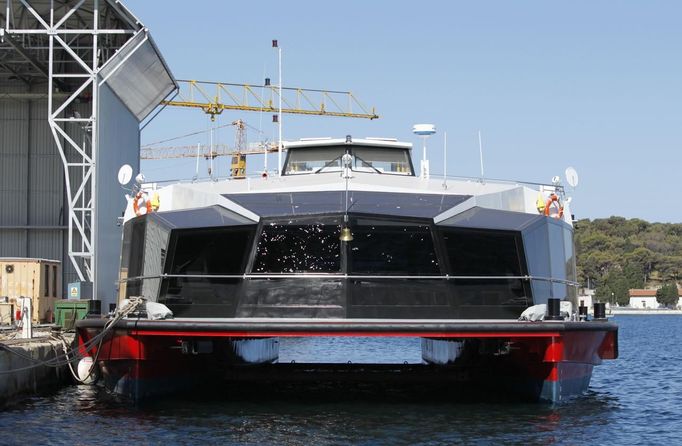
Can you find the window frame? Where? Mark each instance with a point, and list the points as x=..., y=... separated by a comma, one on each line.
x=407, y=152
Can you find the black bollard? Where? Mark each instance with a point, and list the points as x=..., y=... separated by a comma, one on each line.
x=95, y=308
x=582, y=311
x=600, y=311
x=553, y=312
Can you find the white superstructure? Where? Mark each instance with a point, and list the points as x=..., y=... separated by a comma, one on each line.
x=387, y=172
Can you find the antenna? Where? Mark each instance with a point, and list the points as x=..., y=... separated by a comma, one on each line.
x=480, y=153
x=445, y=160
x=275, y=44
x=424, y=131
x=266, y=82
x=210, y=153
x=196, y=169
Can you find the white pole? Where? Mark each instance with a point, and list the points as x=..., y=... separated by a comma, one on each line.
x=196, y=169
x=265, y=157
x=445, y=158
x=280, y=120
x=480, y=152
x=26, y=317
x=260, y=126
x=94, y=148
x=210, y=153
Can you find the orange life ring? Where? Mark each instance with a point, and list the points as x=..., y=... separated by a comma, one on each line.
x=552, y=198
x=147, y=204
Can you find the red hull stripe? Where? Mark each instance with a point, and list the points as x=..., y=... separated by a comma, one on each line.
x=390, y=334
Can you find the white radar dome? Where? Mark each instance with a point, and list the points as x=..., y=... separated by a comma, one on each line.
x=424, y=129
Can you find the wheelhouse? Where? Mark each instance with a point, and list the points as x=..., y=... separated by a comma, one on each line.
x=382, y=156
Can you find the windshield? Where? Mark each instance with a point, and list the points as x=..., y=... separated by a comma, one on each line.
x=312, y=160
x=365, y=159
x=383, y=160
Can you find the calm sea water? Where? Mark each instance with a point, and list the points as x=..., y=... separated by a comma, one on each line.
x=636, y=399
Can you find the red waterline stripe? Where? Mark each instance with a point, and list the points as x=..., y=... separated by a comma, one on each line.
x=372, y=334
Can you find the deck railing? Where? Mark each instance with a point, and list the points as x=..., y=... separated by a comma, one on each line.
x=347, y=276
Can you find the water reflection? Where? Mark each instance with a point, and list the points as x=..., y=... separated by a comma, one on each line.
x=88, y=415
x=621, y=408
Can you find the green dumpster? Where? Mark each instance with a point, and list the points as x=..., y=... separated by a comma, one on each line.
x=67, y=312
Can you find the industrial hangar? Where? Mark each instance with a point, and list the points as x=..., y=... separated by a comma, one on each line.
x=78, y=78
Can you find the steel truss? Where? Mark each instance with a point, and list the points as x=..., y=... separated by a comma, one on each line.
x=214, y=97
x=76, y=39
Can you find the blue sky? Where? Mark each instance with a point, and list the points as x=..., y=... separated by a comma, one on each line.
x=591, y=84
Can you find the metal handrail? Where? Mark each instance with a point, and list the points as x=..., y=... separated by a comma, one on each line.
x=435, y=177
x=345, y=276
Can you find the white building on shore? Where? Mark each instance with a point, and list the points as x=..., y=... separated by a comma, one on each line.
x=586, y=297
x=643, y=299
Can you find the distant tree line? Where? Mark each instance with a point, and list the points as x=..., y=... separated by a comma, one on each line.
x=615, y=254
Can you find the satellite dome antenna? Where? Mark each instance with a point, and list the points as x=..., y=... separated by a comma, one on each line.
x=424, y=131
x=125, y=174
x=571, y=177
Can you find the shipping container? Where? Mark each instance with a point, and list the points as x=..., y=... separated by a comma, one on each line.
x=39, y=279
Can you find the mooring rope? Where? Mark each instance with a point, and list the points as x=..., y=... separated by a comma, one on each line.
x=71, y=354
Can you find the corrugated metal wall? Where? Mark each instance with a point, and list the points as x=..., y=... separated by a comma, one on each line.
x=14, y=129
x=32, y=198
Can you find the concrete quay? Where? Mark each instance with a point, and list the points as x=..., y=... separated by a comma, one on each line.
x=29, y=366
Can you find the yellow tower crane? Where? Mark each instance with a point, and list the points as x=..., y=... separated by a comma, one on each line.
x=238, y=152
x=238, y=166
x=215, y=97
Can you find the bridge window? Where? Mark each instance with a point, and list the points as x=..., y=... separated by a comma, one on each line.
x=290, y=247
x=392, y=248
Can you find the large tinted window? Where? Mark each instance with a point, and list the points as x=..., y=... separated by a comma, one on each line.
x=372, y=159
x=310, y=160
x=397, y=248
x=209, y=251
x=569, y=252
x=155, y=248
x=557, y=259
x=291, y=247
x=482, y=253
x=536, y=244
x=132, y=256
x=549, y=248
x=136, y=249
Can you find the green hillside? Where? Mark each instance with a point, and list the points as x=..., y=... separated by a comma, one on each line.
x=616, y=254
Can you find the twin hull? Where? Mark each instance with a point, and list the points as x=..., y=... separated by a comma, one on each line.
x=532, y=361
